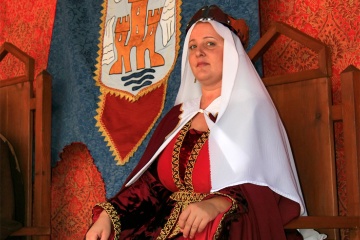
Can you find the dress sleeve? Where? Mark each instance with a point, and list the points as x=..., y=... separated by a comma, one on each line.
x=237, y=210
x=256, y=213
x=128, y=205
x=234, y=195
x=135, y=205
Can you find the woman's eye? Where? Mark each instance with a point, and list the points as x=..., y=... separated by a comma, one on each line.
x=210, y=44
x=191, y=47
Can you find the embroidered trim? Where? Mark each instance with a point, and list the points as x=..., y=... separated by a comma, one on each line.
x=183, y=199
x=114, y=217
x=192, y=159
x=176, y=156
x=231, y=210
x=166, y=230
x=187, y=197
x=186, y=194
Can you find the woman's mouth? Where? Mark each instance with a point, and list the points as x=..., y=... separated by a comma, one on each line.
x=201, y=64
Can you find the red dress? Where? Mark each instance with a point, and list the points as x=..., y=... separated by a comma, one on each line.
x=149, y=208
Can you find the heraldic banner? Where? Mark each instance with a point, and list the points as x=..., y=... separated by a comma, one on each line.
x=139, y=43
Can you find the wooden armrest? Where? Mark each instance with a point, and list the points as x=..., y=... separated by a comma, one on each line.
x=32, y=231
x=8, y=226
x=324, y=222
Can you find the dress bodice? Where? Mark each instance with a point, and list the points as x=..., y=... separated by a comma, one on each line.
x=185, y=161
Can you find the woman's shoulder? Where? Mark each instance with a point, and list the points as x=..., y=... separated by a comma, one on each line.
x=180, y=109
x=173, y=112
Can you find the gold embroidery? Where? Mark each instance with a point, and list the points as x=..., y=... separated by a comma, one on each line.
x=176, y=156
x=187, y=197
x=110, y=210
x=186, y=194
x=183, y=199
x=166, y=230
x=192, y=159
x=232, y=209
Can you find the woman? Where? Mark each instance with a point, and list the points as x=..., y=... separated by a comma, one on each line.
x=219, y=165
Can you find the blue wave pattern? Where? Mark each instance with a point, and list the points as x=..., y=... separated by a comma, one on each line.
x=144, y=79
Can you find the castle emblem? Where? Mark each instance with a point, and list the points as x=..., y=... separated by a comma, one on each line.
x=136, y=53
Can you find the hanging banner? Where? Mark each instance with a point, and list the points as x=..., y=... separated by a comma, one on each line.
x=139, y=44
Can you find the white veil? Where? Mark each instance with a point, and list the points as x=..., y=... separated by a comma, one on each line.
x=247, y=143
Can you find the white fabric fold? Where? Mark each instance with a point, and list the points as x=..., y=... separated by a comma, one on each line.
x=311, y=234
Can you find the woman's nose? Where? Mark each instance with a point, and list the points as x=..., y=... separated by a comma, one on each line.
x=200, y=51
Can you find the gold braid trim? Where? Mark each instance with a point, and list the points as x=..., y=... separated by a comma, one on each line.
x=166, y=230
x=115, y=219
x=183, y=199
x=232, y=209
x=186, y=194
x=176, y=156
x=192, y=160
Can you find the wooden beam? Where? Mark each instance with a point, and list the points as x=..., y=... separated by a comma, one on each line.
x=32, y=231
x=324, y=222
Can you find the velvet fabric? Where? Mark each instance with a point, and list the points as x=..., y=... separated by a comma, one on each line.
x=144, y=207
x=201, y=171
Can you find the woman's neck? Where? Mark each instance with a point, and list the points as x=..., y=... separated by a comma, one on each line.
x=208, y=96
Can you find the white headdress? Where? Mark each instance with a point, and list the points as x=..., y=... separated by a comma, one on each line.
x=248, y=142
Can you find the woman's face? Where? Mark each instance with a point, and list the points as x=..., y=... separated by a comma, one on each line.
x=206, y=54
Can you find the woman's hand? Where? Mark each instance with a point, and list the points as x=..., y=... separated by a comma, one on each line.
x=101, y=229
x=197, y=215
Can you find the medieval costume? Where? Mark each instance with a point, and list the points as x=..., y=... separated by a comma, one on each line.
x=245, y=157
